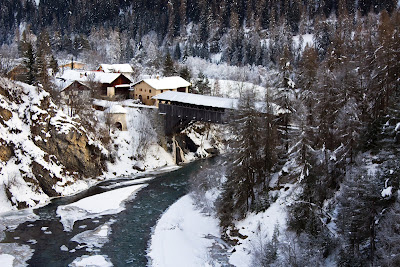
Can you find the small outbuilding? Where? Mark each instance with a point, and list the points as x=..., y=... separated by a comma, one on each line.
x=117, y=117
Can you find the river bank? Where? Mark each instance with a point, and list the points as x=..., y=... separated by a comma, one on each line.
x=120, y=236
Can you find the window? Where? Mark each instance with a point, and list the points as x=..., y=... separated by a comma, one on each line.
x=162, y=91
x=141, y=89
x=150, y=91
x=148, y=97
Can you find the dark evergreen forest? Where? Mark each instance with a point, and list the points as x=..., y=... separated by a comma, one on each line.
x=138, y=17
x=342, y=93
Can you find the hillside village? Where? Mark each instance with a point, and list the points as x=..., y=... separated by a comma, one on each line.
x=115, y=82
x=106, y=86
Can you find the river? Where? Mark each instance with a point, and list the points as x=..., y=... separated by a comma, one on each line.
x=130, y=230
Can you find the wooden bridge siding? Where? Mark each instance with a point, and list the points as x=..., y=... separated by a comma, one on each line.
x=180, y=115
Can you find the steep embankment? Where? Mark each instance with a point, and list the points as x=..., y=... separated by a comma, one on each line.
x=43, y=152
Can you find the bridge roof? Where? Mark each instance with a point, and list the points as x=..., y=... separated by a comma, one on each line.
x=199, y=100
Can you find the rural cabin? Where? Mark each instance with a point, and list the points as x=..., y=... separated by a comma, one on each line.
x=145, y=89
x=18, y=73
x=103, y=85
x=125, y=69
x=76, y=89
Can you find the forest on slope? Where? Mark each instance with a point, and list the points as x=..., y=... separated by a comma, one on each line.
x=340, y=141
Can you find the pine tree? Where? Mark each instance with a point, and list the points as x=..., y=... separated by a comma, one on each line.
x=30, y=64
x=202, y=85
x=177, y=52
x=238, y=194
x=388, y=237
x=307, y=79
x=184, y=72
x=169, y=66
x=359, y=205
x=43, y=58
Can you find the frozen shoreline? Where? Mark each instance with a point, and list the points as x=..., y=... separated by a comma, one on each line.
x=180, y=237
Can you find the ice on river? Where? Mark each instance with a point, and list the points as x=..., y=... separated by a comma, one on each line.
x=14, y=254
x=10, y=220
x=117, y=183
x=95, y=260
x=94, y=239
x=106, y=203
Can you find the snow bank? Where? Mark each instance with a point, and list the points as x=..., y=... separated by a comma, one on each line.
x=255, y=224
x=6, y=260
x=179, y=238
x=110, y=202
x=93, y=261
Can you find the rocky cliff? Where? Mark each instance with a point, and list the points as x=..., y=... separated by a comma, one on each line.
x=43, y=152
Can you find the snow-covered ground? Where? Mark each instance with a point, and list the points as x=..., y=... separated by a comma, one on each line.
x=259, y=227
x=180, y=237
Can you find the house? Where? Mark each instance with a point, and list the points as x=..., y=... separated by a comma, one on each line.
x=73, y=65
x=145, y=89
x=125, y=69
x=18, y=73
x=103, y=85
x=76, y=89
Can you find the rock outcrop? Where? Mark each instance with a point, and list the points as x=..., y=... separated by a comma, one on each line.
x=42, y=150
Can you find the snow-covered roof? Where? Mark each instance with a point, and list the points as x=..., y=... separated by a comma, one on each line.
x=66, y=84
x=213, y=101
x=117, y=109
x=115, y=68
x=84, y=76
x=173, y=82
x=200, y=100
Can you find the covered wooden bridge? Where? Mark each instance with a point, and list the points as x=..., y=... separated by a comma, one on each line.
x=181, y=108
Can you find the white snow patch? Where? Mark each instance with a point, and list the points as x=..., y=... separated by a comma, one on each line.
x=173, y=82
x=308, y=39
x=387, y=192
x=93, y=261
x=6, y=260
x=110, y=202
x=116, y=109
x=179, y=236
